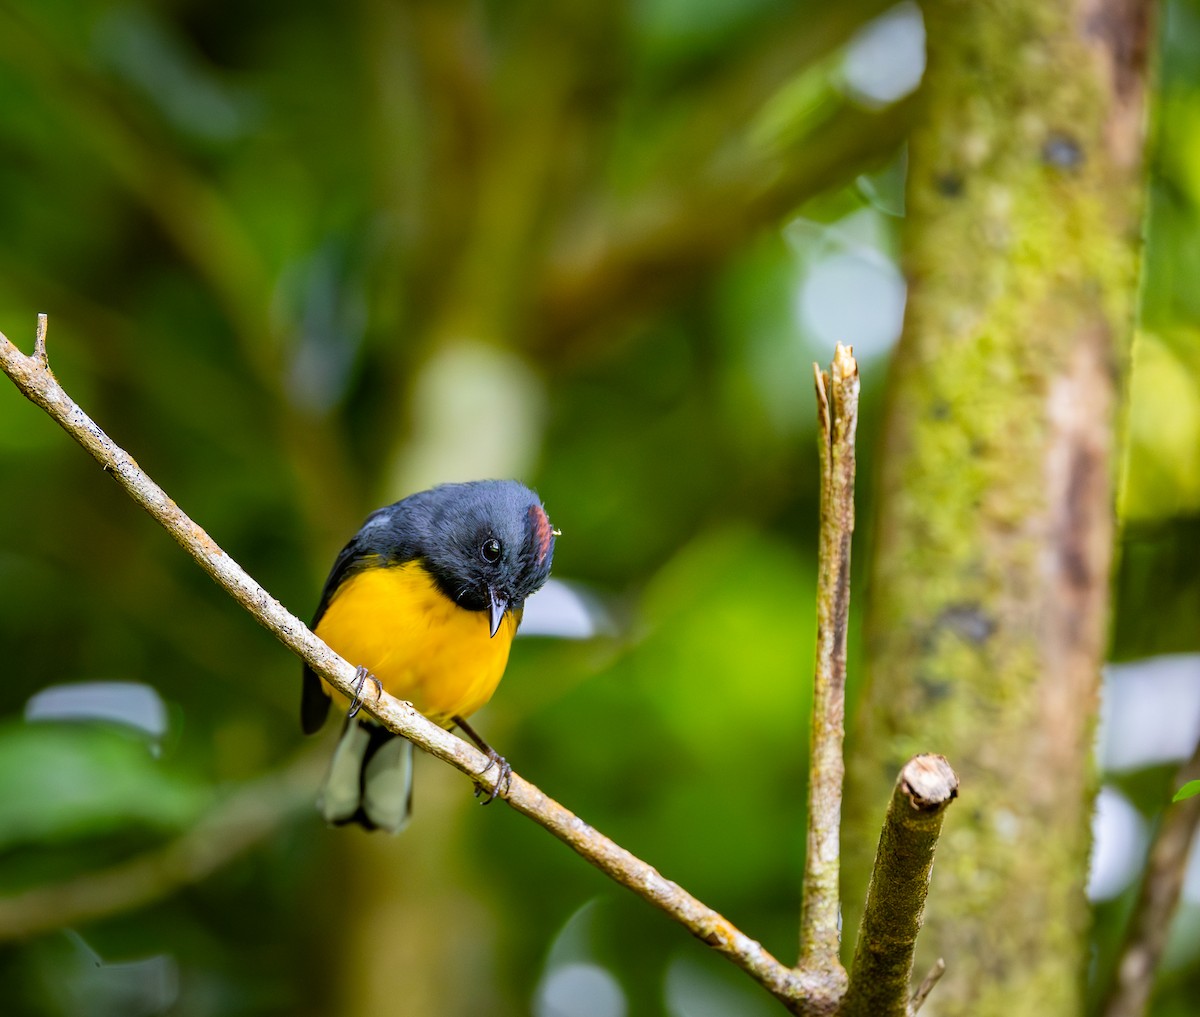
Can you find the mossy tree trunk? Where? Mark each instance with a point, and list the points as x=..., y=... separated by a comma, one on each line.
x=989, y=587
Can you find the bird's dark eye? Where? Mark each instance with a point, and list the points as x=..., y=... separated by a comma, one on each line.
x=491, y=550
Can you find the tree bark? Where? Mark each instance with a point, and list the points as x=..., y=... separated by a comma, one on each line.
x=989, y=588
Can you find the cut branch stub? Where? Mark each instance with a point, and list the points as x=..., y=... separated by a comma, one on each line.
x=882, y=970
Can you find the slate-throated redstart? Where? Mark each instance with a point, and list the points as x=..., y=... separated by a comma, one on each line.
x=425, y=600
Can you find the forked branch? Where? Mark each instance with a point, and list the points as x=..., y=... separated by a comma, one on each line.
x=817, y=985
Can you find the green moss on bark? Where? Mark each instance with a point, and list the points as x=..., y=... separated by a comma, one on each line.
x=989, y=585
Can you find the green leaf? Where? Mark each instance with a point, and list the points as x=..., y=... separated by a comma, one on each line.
x=1189, y=790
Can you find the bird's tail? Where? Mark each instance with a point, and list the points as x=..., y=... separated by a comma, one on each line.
x=370, y=778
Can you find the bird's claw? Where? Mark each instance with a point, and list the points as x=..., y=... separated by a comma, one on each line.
x=503, y=777
x=361, y=674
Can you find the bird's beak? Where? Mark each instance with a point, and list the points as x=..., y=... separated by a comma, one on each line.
x=497, y=605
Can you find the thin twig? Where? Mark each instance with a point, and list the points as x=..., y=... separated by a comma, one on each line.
x=1151, y=921
x=837, y=414
x=230, y=829
x=35, y=380
x=882, y=969
x=926, y=986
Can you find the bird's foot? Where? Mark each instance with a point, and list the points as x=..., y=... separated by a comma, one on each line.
x=503, y=776
x=361, y=675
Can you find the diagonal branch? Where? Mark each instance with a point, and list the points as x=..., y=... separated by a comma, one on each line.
x=32, y=375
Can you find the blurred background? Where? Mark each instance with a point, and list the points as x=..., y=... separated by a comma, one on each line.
x=301, y=260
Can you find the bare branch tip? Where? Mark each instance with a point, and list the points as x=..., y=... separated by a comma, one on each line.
x=844, y=364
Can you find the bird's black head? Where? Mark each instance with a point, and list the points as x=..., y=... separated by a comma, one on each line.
x=488, y=544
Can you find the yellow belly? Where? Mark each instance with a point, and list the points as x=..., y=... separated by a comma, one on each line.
x=420, y=645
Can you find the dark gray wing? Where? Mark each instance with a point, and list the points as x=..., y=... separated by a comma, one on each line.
x=366, y=546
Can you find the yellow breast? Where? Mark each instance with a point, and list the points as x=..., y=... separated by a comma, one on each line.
x=422, y=647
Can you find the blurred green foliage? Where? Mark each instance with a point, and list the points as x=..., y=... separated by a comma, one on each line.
x=300, y=260
x=59, y=784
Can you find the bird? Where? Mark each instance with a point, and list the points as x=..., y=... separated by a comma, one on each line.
x=425, y=600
